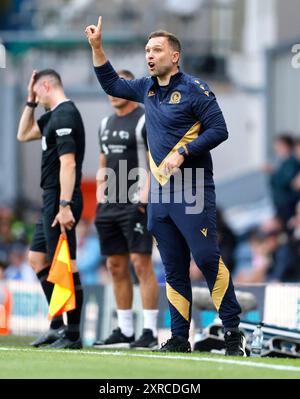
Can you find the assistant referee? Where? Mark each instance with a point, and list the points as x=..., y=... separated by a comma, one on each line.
x=62, y=136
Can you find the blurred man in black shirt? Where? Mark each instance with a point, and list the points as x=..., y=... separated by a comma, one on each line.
x=121, y=220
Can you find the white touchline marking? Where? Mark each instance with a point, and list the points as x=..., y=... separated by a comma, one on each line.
x=175, y=357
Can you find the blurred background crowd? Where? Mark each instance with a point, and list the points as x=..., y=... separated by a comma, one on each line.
x=246, y=50
x=265, y=252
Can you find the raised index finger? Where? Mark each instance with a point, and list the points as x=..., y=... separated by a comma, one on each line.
x=34, y=72
x=99, y=23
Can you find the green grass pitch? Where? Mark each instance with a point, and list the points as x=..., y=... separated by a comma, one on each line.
x=18, y=360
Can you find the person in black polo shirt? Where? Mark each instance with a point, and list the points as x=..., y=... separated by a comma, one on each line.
x=121, y=219
x=62, y=135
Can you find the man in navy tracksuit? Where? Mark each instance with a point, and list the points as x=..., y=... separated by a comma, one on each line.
x=183, y=122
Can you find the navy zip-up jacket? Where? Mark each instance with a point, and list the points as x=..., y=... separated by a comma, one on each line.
x=184, y=112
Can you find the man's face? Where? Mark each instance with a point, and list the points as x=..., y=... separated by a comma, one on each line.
x=42, y=91
x=281, y=149
x=160, y=56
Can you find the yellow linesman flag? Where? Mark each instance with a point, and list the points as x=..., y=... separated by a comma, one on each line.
x=63, y=295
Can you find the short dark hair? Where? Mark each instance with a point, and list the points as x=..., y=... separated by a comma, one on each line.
x=172, y=39
x=49, y=72
x=297, y=141
x=287, y=139
x=126, y=73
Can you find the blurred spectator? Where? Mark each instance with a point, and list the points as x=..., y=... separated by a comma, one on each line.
x=294, y=225
x=267, y=256
x=16, y=15
x=6, y=213
x=282, y=259
x=2, y=270
x=227, y=241
x=89, y=258
x=297, y=148
x=251, y=263
x=22, y=221
x=6, y=239
x=283, y=194
x=14, y=228
x=296, y=180
x=18, y=268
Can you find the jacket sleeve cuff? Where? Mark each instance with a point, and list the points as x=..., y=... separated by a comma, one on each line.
x=107, y=67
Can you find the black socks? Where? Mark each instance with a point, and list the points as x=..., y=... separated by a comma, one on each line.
x=73, y=330
x=57, y=321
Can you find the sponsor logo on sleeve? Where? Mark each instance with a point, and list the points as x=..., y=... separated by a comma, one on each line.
x=63, y=132
x=44, y=143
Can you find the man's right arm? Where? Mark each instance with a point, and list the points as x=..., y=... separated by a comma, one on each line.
x=28, y=128
x=110, y=81
x=94, y=35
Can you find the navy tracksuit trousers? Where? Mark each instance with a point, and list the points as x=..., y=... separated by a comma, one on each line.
x=178, y=235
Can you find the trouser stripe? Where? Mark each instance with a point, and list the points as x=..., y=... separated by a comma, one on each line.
x=180, y=303
x=221, y=285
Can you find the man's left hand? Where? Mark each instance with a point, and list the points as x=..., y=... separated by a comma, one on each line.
x=172, y=163
x=65, y=218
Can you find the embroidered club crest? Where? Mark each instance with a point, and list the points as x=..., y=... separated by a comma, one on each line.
x=175, y=97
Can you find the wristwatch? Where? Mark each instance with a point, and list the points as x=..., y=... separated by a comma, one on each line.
x=183, y=151
x=65, y=203
x=31, y=104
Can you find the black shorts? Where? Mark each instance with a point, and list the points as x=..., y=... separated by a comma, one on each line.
x=46, y=237
x=122, y=229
